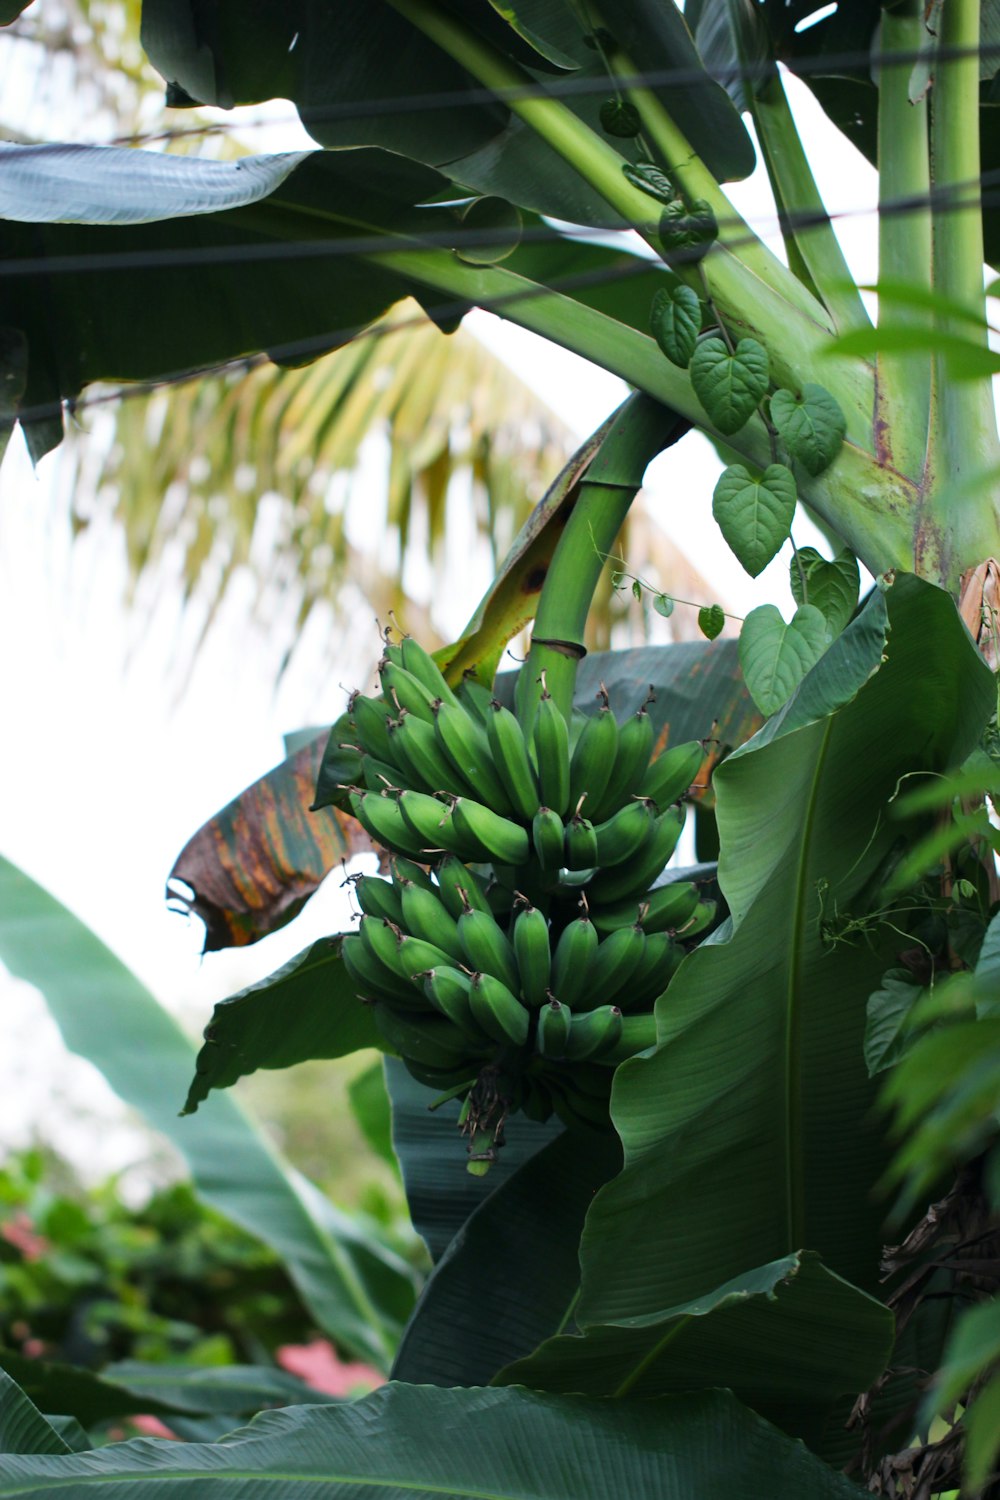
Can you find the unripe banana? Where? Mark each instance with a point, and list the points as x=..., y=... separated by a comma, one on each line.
x=371, y=720
x=415, y=749
x=433, y=823
x=487, y=947
x=496, y=837
x=702, y=917
x=622, y=835
x=638, y=1034
x=404, y=690
x=510, y=756
x=373, y=980
x=536, y=1101
x=446, y=1081
x=430, y=1040
x=533, y=955
x=579, y=1111
x=475, y=697
x=447, y=989
x=421, y=665
x=425, y=916
x=379, y=775
x=378, y=898
x=402, y=870
x=382, y=938
x=381, y=817
x=661, y=958
x=580, y=844
x=615, y=962
x=665, y=908
x=572, y=959
x=464, y=743
x=454, y=879
x=634, y=878
x=551, y=742
x=552, y=1033
x=635, y=745
x=416, y=956
x=593, y=758
x=594, y=1032
x=498, y=1010
x=670, y=775
x=547, y=835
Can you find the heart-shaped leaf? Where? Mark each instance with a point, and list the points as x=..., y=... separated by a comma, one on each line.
x=675, y=319
x=729, y=386
x=775, y=655
x=619, y=118
x=811, y=425
x=833, y=587
x=687, y=232
x=711, y=620
x=664, y=605
x=755, y=512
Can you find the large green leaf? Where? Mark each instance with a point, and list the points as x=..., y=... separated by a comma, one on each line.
x=164, y=1390
x=412, y=1443
x=153, y=285
x=355, y=1289
x=750, y=1134
x=509, y=1277
x=23, y=1429
x=789, y=1338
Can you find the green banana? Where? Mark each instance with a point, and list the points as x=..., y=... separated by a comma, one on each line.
x=373, y=979
x=381, y=816
x=580, y=843
x=454, y=878
x=552, y=1033
x=665, y=908
x=635, y=746
x=594, y=1032
x=430, y=1041
x=593, y=757
x=403, y=690
x=536, y=1101
x=616, y=960
x=634, y=878
x=548, y=838
x=379, y=775
x=498, y=1010
x=622, y=835
x=551, y=744
x=509, y=749
x=421, y=665
x=447, y=989
x=371, y=719
x=661, y=958
x=474, y=697
x=404, y=869
x=465, y=744
x=450, y=1081
x=378, y=898
x=494, y=837
x=638, y=1033
x=702, y=916
x=571, y=961
x=533, y=954
x=670, y=775
x=416, y=955
x=416, y=750
x=382, y=939
x=487, y=947
x=433, y=823
x=578, y=1111
x=426, y=916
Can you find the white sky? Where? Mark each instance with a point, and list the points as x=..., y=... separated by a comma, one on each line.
x=105, y=771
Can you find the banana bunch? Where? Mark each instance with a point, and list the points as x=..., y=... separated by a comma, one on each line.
x=514, y=954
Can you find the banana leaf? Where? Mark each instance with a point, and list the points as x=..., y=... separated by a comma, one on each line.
x=509, y=1277
x=750, y=1134
x=411, y=1441
x=356, y=1289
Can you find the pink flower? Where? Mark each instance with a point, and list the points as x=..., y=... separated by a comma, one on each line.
x=318, y=1365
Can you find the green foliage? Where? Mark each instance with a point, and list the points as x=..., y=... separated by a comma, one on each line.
x=775, y=655
x=730, y=384
x=755, y=512
x=675, y=318
x=832, y=587
x=810, y=424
